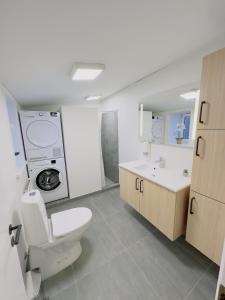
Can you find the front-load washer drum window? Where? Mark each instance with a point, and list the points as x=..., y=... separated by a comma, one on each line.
x=42, y=134
x=48, y=180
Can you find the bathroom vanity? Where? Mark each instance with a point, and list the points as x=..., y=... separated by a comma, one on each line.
x=159, y=194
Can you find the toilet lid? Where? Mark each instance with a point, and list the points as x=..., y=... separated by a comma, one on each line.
x=65, y=222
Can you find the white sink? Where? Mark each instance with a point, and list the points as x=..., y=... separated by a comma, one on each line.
x=173, y=180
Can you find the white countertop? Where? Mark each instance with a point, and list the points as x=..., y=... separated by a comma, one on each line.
x=171, y=179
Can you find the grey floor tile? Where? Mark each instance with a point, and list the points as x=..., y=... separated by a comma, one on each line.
x=182, y=269
x=107, y=202
x=59, y=282
x=128, y=228
x=118, y=280
x=67, y=294
x=154, y=273
x=206, y=288
x=190, y=250
x=99, y=245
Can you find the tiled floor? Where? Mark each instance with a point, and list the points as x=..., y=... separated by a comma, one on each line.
x=125, y=258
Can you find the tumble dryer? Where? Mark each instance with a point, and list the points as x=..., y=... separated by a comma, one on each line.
x=42, y=135
x=49, y=177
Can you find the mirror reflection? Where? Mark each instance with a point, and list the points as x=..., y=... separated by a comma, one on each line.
x=170, y=117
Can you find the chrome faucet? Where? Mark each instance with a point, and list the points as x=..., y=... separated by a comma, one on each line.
x=161, y=161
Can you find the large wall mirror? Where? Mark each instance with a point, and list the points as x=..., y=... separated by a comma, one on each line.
x=170, y=117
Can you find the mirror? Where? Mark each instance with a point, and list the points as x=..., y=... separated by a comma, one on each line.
x=170, y=117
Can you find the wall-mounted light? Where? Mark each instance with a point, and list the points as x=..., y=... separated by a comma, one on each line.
x=93, y=98
x=141, y=119
x=85, y=71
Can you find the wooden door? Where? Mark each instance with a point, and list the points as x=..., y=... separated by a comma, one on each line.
x=212, y=92
x=208, y=173
x=157, y=205
x=206, y=226
x=129, y=188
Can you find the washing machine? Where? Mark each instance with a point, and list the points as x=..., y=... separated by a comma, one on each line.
x=42, y=135
x=49, y=177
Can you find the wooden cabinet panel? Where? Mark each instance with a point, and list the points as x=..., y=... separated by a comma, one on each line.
x=212, y=92
x=158, y=206
x=128, y=191
x=208, y=173
x=206, y=226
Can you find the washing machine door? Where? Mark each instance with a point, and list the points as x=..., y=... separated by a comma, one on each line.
x=42, y=133
x=48, y=179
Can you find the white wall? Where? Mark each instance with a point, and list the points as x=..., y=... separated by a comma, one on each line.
x=126, y=102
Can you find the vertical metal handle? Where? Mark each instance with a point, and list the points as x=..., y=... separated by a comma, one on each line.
x=137, y=184
x=141, y=187
x=191, y=206
x=15, y=240
x=200, y=113
x=197, y=144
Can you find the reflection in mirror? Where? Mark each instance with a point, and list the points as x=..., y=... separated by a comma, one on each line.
x=170, y=117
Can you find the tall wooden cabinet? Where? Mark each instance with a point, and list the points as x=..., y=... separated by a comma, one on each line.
x=206, y=218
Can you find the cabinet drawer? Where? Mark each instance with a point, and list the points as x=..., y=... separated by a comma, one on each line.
x=208, y=173
x=206, y=225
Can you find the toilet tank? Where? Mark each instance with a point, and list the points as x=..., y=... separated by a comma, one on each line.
x=35, y=219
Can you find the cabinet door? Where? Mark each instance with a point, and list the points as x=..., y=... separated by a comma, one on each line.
x=212, y=92
x=157, y=205
x=208, y=174
x=129, y=188
x=206, y=226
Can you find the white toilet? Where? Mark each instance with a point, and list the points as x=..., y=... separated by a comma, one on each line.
x=54, y=243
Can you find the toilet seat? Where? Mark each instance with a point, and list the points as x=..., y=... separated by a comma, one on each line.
x=67, y=221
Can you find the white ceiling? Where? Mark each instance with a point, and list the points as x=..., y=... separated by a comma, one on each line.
x=40, y=40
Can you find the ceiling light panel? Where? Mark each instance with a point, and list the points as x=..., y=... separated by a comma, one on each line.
x=84, y=71
x=190, y=95
x=93, y=98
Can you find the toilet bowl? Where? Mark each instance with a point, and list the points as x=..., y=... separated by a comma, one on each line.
x=54, y=243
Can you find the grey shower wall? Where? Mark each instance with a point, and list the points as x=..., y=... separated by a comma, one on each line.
x=109, y=138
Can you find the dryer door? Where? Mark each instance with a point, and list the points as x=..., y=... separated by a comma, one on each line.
x=48, y=179
x=42, y=133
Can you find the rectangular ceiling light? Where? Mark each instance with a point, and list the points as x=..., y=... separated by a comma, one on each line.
x=190, y=95
x=93, y=98
x=84, y=71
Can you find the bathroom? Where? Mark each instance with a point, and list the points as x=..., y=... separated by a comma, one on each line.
x=108, y=188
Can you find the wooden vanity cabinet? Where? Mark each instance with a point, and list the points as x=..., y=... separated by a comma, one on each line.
x=165, y=209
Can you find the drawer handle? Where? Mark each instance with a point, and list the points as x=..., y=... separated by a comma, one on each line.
x=141, y=186
x=191, y=206
x=137, y=184
x=197, y=144
x=200, y=113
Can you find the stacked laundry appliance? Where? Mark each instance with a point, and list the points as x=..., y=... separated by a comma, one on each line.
x=43, y=143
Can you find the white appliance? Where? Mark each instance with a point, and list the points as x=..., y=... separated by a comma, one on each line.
x=49, y=177
x=42, y=135
x=54, y=243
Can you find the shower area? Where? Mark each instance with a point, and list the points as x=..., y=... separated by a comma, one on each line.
x=110, y=151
